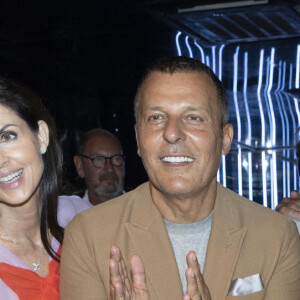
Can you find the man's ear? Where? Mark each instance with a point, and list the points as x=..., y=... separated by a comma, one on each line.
x=79, y=166
x=137, y=140
x=227, y=138
x=43, y=135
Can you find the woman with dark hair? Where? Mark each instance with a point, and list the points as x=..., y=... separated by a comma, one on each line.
x=32, y=216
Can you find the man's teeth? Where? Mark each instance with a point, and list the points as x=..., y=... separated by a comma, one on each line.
x=11, y=177
x=177, y=159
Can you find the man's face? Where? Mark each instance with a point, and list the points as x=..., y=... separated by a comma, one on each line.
x=179, y=134
x=107, y=181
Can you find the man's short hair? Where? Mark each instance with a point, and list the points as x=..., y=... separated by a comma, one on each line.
x=177, y=64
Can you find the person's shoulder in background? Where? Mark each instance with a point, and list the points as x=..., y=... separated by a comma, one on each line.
x=69, y=207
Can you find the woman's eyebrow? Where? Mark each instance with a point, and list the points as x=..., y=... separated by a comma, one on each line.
x=5, y=126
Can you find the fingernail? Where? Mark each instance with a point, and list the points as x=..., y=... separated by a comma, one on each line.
x=194, y=257
x=193, y=274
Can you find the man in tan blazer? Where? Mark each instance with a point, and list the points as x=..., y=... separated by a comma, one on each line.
x=134, y=247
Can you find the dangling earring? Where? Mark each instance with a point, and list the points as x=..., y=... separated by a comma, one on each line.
x=43, y=150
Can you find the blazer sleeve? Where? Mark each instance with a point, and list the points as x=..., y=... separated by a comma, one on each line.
x=285, y=281
x=79, y=277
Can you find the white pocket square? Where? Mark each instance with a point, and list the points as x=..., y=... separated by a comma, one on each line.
x=245, y=286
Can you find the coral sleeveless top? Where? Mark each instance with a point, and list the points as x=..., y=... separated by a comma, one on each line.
x=30, y=286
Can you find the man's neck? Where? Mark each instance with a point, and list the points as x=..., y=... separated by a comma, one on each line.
x=187, y=209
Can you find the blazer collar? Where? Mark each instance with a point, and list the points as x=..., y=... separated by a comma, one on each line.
x=225, y=242
x=151, y=242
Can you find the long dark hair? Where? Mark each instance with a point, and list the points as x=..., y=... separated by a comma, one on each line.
x=29, y=107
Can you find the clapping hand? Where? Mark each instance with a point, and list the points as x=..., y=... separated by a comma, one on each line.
x=122, y=288
x=196, y=286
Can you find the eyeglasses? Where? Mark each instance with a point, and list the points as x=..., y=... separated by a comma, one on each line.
x=99, y=161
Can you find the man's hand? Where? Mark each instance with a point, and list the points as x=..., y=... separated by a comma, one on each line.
x=290, y=206
x=121, y=288
x=196, y=286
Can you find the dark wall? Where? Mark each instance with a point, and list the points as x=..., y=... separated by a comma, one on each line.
x=85, y=59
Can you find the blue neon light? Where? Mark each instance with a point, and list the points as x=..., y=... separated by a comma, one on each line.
x=294, y=126
x=297, y=83
x=262, y=118
x=280, y=83
x=177, y=43
x=201, y=52
x=274, y=190
x=279, y=115
x=249, y=131
x=220, y=61
x=213, y=54
x=238, y=118
x=207, y=61
x=188, y=46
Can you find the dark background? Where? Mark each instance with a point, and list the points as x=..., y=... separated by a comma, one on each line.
x=84, y=58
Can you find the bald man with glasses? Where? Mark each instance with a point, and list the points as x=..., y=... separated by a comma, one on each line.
x=100, y=161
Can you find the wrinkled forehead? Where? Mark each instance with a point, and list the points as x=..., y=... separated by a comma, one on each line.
x=182, y=86
x=157, y=79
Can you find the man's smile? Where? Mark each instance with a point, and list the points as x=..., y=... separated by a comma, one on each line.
x=177, y=159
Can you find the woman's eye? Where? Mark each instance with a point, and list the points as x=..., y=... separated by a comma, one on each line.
x=8, y=136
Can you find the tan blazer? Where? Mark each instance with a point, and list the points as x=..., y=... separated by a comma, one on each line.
x=246, y=239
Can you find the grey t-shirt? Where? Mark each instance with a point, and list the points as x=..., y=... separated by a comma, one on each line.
x=187, y=237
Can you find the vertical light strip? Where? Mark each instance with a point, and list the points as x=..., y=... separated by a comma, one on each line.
x=294, y=127
x=249, y=131
x=297, y=83
x=297, y=67
x=224, y=170
x=262, y=118
x=238, y=118
x=220, y=77
x=269, y=140
x=287, y=133
x=273, y=175
x=201, y=52
x=287, y=174
x=218, y=175
x=213, y=55
x=283, y=129
x=296, y=171
x=221, y=61
x=270, y=85
x=269, y=165
x=188, y=46
x=274, y=129
x=177, y=43
x=207, y=61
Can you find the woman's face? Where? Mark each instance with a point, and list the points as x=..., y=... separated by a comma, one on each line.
x=21, y=163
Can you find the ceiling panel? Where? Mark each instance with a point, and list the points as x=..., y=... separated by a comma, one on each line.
x=238, y=25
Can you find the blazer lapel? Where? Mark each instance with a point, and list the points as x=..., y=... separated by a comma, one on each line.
x=224, y=245
x=151, y=242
